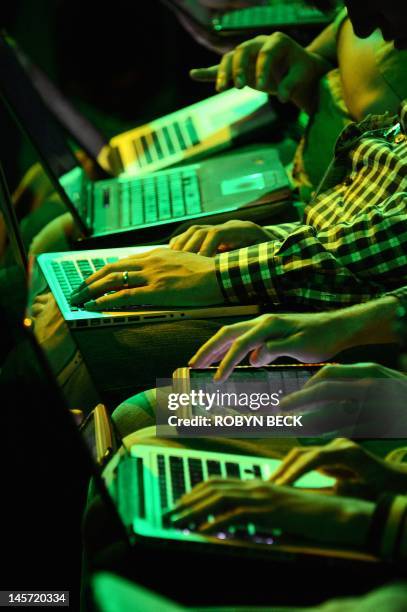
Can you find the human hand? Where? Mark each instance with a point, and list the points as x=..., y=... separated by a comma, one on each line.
x=275, y=64
x=55, y=236
x=210, y=239
x=321, y=518
x=361, y=400
x=160, y=277
x=357, y=471
x=307, y=337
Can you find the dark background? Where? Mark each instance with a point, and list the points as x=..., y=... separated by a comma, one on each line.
x=121, y=64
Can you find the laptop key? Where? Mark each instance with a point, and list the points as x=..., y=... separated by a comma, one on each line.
x=177, y=477
x=137, y=203
x=157, y=144
x=192, y=194
x=214, y=468
x=177, y=196
x=163, y=197
x=125, y=219
x=146, y=148
x=162, y=480
x=98, y=263
x=168, y=140
x=232, y=469
x=179, y=135
x=192, y=133
x=150, y=201
x=195, y=471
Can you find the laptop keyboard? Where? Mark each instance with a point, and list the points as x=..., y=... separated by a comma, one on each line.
x=169, y=139
x=70, y=273
x=153, y=199
x=290, y=12
x=177, y=475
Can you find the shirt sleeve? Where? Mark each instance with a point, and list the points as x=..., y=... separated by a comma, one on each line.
x=282, y=230
x=339, y=265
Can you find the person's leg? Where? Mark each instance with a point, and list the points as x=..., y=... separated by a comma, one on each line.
x=135, y=421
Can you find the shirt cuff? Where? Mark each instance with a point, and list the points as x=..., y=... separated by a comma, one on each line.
x=245, y=275
x=401, y=295
x=281, y=230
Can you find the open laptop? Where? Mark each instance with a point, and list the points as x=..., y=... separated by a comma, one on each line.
x=143, y=481
x=266, y=16
x=194, y=131
x=130, y=206
x=63, y=272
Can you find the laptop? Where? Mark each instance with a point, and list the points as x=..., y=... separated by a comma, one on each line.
x=133, y=207
x=197, y=130
x=267, y=16
x=62, y=273
x=144, y=481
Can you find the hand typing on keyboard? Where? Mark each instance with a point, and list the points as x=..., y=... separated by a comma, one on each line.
x=210, y=239
x=160, y=277
x=320, y=518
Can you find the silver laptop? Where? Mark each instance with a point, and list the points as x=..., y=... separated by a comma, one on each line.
x=64, y=272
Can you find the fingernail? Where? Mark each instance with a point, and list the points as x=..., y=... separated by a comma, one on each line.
x=91, y=305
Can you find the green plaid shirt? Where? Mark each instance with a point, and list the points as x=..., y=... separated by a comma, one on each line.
x=352, y=244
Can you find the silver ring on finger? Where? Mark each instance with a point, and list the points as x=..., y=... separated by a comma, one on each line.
x=125, y=279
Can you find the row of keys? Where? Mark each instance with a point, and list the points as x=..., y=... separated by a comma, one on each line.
x=160, y=198
x=173, y=480
x=168, y=140
x=71, y=273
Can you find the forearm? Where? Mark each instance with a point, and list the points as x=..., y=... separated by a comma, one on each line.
x=324, y=45
x=369, y=323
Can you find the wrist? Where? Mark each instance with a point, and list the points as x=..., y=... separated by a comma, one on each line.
x=353, y=522
x=370, y=323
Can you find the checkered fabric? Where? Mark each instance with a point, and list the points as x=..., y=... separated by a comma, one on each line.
x=352, y=243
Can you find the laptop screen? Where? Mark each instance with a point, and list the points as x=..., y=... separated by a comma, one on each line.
x=82, y=131
x=11, y=225
x=35, y=120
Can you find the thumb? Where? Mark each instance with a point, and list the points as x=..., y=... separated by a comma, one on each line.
x=204, y=74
